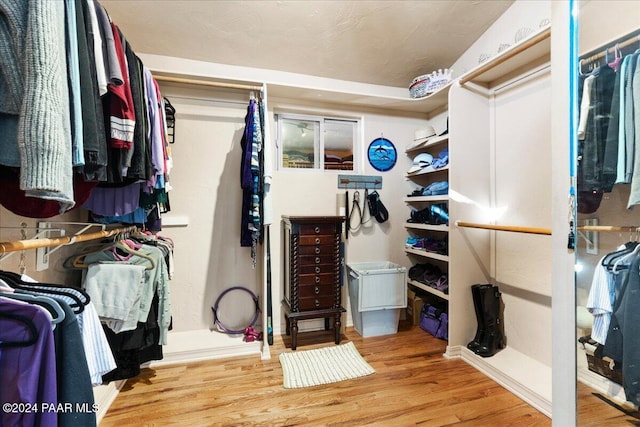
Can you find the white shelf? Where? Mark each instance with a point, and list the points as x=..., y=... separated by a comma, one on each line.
x=427, y=254
x=413, y=199
x=536, y=46
x=428, y=144
x=429, y=170
x=429, y=289
x=428, y=104
x=429, y=227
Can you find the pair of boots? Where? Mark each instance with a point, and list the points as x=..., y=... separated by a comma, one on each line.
x=490, y=333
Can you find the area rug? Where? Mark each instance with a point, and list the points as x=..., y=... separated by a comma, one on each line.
x=323, y=366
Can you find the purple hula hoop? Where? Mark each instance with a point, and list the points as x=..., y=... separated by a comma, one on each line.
x=219, y=324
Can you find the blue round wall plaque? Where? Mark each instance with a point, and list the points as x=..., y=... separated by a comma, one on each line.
x=382, y=154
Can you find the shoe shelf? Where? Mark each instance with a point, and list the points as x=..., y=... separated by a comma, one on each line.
x=428, y=289
x=427, y=254
x=413, y=199
x=430, y=227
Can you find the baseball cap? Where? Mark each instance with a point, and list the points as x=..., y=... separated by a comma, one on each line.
x=420, y=162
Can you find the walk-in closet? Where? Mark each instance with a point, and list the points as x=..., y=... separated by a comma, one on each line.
x=319, y=212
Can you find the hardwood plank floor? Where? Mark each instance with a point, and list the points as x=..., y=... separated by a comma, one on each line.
x=413, y=384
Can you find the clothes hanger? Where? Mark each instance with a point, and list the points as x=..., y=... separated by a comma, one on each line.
x=624, y=258
x=78, y=261
x=76, y=298
x=616, y=59
x=26, y=322
x=51, y=305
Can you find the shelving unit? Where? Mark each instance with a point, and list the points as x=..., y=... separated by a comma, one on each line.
x=434, y=145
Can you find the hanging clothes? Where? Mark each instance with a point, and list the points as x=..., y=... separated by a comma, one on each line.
x=251, y=178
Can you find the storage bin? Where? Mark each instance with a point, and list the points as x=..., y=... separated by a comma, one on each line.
x=377, y=293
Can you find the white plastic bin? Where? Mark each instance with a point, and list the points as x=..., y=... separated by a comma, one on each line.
x=377, y=292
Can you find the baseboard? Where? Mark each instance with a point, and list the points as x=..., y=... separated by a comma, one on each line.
x=104, y=395
x=528, y=379
x=203, y=344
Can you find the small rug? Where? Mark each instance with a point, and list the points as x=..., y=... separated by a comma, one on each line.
x=323, y=366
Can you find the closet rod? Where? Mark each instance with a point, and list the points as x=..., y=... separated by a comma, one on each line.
x=19, y=245
x=514, y=228
x=621, y=42
x=507, y=55
x=621, y=228
x=207, y=83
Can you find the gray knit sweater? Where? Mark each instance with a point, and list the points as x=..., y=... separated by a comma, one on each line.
x=34, y=98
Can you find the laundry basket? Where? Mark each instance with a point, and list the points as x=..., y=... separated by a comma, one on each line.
x=377, y=294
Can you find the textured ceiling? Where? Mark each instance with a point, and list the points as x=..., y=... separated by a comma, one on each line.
x=379, y=42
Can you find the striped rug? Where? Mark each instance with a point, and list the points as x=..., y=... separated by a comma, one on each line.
x=323, y=366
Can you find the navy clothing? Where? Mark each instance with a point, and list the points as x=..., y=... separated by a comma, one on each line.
x=246, y=180
x=74, y=382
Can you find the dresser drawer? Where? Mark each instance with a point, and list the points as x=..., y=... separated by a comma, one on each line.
x=315, y=303
x=325, y=239
x=317, y=250
x=317, y=291
x=316, y=229
x=319, y=269
x=317, y=279
x=317, y=259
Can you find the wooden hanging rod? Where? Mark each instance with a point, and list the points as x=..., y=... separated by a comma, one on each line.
x=20, y=245
x=513, y=228
x=206, y=83
x=517, y=49
x=621, y=42
x=618, y=228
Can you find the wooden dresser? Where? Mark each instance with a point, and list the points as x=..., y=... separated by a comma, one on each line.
x=312, y=267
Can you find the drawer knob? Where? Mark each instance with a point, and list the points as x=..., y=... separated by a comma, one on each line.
x=317, y=260
x=317, y=240
x=317, y=270
x=317, y=303
x=317, y=230
x=317, y=290
x=317, y=279
x=317, y=250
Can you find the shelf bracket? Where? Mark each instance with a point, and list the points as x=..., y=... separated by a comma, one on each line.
x=45, y=227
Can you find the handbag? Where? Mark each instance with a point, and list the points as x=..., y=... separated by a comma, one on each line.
x=434, y=321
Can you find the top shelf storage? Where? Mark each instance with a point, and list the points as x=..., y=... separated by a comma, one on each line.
x=435, y=102
x=534, y=48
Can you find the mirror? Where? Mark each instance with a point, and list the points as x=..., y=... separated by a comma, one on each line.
x=608, y=240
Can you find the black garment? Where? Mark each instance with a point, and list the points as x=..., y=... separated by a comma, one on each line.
x=93, y=131
x=622, y=339
x=74, y=381
x=610, y=160
x=133, y=348
x=591, y=151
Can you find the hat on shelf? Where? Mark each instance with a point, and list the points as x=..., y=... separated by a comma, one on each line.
x=422, y=135
x=421, y=161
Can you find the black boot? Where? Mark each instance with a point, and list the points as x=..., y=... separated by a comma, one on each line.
x=493, y=339
x=475, y=291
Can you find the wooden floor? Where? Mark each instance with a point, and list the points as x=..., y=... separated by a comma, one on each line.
x=413, y=384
